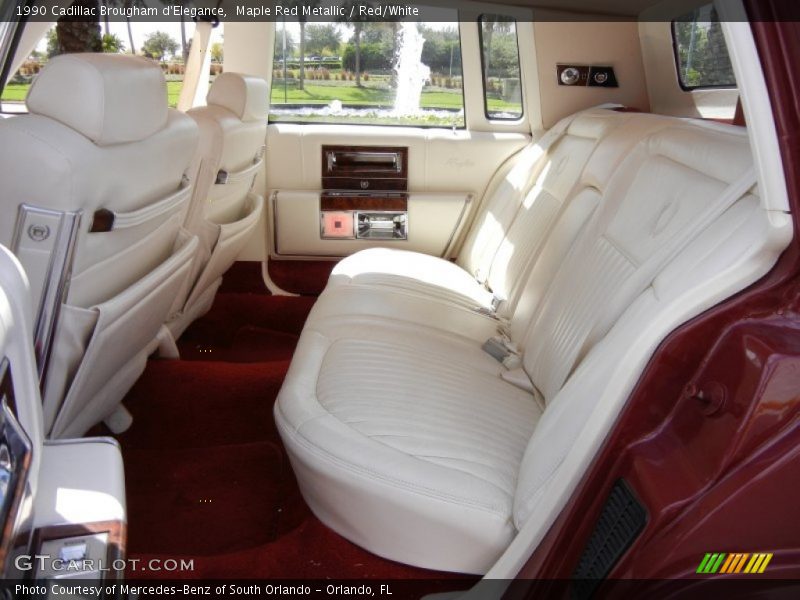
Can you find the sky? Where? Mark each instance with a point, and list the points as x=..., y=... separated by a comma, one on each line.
x=142, y=29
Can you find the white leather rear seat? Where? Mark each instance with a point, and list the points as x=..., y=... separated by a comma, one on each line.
x=538, y=238
x=520, y=205
x=407, y=439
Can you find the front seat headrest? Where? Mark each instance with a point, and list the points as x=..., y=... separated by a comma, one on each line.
x=244, y=95
x=109, y=98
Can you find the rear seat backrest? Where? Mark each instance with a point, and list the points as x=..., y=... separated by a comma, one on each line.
x=639, y=218
x=558, y=176
x=502, y=199
x=586, y=197
x=708, y=158
x=515, y=186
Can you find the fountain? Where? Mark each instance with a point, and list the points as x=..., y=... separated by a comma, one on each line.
x=410, y=72
x=410, y=75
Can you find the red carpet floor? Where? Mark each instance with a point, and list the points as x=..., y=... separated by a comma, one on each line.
x=207, y=475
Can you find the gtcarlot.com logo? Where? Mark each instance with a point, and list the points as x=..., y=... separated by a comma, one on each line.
x=44, y=563
x=730, y=563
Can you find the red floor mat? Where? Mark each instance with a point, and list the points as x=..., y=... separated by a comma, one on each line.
x=312, y=551
x=183, y=404
x=207, y=475
x=306, y=277
x=244, y=277
x=219, y=499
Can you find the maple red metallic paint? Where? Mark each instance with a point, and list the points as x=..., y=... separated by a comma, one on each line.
x=710, y=437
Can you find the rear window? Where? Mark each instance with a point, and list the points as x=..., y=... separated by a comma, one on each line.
x=368, y=73
x=701, y=55
x=502, y=89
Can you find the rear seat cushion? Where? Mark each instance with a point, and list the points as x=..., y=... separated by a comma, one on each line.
x=411, y=271
x=406, y=441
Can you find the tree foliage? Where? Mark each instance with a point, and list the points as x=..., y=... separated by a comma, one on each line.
x=702, y=55
x=159, y=45
x=290, y=45
x=440, y=46
x=322, y=37
x=113, y=43
x=374, y=57
x=217, y=53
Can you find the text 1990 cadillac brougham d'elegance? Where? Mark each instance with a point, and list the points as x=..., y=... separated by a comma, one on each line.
x=486, y=300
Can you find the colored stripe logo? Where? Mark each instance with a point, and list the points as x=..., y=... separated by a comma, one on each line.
x=734, y=562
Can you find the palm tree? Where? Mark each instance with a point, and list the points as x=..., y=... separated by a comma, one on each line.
x=106, y=26
x=302, y=21
x=184, y=41
x=127, y=4
x=80, y=35
x=358, y=28
x=184, y=45
x=130, y=31
x=491, y=24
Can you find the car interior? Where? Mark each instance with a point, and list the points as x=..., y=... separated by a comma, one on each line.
x=311, y=347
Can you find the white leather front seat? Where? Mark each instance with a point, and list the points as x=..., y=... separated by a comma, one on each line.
x=225, y=210
x=99, y=139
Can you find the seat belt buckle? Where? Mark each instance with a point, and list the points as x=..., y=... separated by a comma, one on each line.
x=504, y=351
x=497, y=302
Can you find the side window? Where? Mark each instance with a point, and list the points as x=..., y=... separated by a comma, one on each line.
x=502, y=84
x=701, y=56
x=362, y=73
x=166, y=43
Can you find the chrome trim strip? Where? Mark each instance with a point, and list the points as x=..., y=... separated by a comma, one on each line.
x=57, y=277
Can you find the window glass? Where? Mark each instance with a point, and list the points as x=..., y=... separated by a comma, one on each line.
x=166, y=43
x=384, y=73
x=501, y=70
x=701, y=55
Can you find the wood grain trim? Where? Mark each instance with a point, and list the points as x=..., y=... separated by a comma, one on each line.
x=347, y=169
x=398, y=202
x=356, y=184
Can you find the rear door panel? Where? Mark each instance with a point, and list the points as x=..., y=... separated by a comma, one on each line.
x=447, y=171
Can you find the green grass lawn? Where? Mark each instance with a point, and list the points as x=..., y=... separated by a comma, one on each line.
x=16, y=92
x=315, y=93
x=319, y=93
x=173, y=92
x=348, y=93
